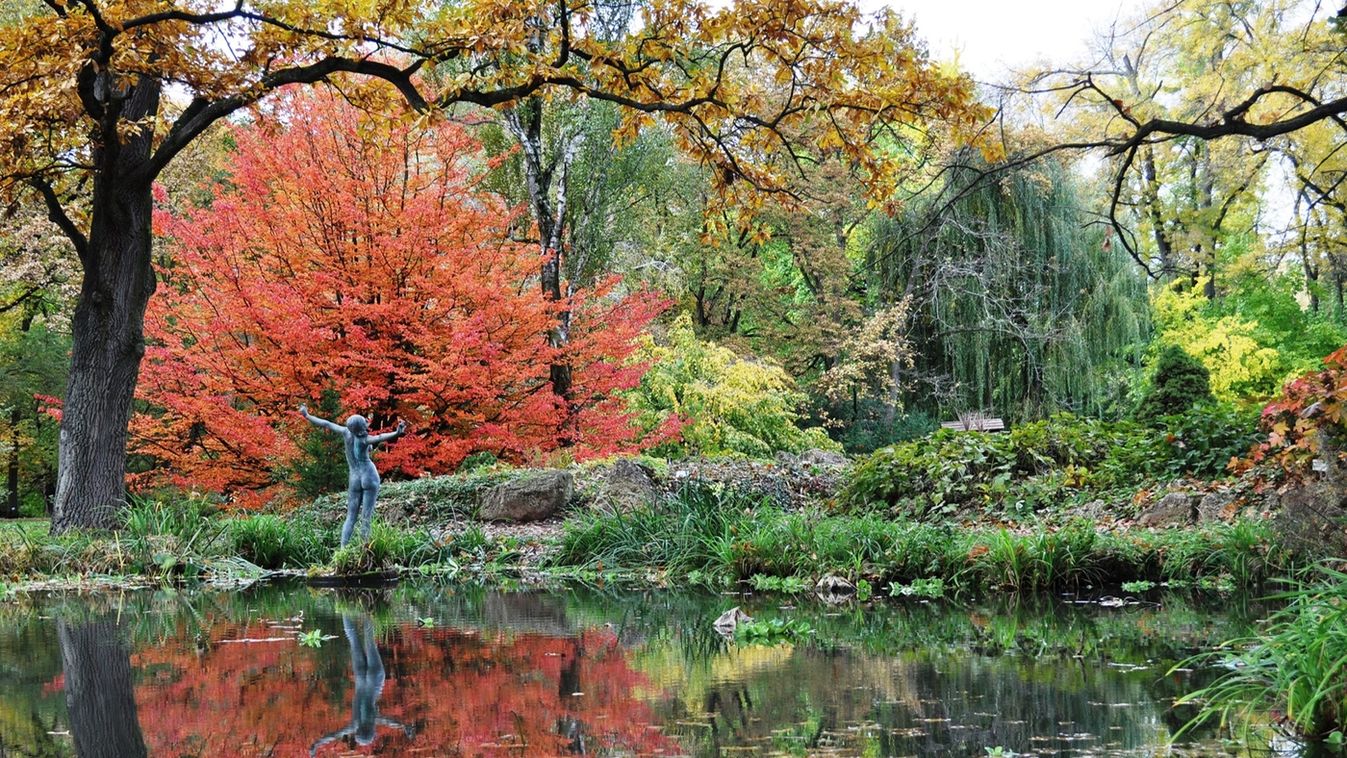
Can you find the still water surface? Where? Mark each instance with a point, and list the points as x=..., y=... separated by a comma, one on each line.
x=434, y=671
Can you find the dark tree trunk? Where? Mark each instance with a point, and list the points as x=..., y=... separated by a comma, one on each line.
x=107, y=345
x=560, y=335
x=98, y=690
x=1311, y=275
x=108, y=329
x=543, y=176
x=1337, y=291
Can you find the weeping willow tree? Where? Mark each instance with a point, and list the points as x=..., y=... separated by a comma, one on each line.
x=1020, y=307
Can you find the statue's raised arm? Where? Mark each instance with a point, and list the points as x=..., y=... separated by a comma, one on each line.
x=328, y=425
x=386, y=436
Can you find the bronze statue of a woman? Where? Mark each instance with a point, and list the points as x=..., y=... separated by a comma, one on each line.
x=362, y=487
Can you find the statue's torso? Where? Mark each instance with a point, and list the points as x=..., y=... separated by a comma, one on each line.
x=358, y=463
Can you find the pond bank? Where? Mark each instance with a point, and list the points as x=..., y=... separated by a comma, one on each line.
x=701, y=534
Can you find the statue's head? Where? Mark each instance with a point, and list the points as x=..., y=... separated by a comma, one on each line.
x=358, y=425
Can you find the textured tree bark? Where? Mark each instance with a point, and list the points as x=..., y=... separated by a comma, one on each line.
x=98, y=690
x=108, y=330
x=546, y=183
x=108, y=342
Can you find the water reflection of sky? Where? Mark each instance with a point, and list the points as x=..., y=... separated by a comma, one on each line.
x=587, y=673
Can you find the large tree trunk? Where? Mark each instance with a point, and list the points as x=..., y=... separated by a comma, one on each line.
x=108, y=330
x=98, y=690
x=108, y=342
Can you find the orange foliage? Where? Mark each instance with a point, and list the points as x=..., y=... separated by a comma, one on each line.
x=460, y=692
x=1306, y=421
x=361, y=256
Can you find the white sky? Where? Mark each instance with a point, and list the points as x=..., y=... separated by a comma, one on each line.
x=990, y=36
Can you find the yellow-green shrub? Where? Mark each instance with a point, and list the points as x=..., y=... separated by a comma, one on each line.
x=727, y=405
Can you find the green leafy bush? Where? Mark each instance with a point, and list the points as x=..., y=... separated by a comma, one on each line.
x=1045, y=463
x=1203, y=441
x=1180, y=382
x=1035, y=464
x=723, y=404
x=1253, y=337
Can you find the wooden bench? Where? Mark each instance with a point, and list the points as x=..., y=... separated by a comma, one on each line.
x=976, y=424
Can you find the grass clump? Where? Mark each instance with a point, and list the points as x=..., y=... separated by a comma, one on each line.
x=707, y=532
x=274, y=542
x=33, y=552
x=159, y=537
x=1297, y=666
x=388, y=547
x=694, y=530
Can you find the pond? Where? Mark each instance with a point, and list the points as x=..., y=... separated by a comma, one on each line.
x=431, y=670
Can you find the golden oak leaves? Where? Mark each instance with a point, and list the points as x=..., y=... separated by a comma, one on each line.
x=734, y=82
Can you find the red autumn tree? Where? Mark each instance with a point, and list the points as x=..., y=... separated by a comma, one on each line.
x=350, y=254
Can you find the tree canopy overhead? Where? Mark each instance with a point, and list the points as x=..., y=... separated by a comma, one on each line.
x=739, y=83
x=97, y=97
x=1188, y=99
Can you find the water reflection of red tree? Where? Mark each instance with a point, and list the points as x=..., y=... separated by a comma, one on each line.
x=465, y=693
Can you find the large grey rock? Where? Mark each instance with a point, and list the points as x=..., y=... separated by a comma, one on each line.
x=533, y=497
x=834, y=585
x=1174, y=509
x=824, y=458
x=1215, y=506
x=730, y=620
x=625, y=485
x=1312, y=516
x=1095, y=510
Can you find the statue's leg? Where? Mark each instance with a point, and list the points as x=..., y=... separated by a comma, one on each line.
x=367, y=511
x=352, y=512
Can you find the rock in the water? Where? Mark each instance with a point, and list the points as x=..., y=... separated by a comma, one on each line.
x=730, y=620
x=625, y=485
x=529, y=498
x=1216, y=506
x=834, y=585
x=1174, y=509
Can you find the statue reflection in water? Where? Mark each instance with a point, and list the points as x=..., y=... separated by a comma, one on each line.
x=367, y=668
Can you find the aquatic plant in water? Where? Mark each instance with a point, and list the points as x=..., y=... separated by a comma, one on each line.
x=1295, y=668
